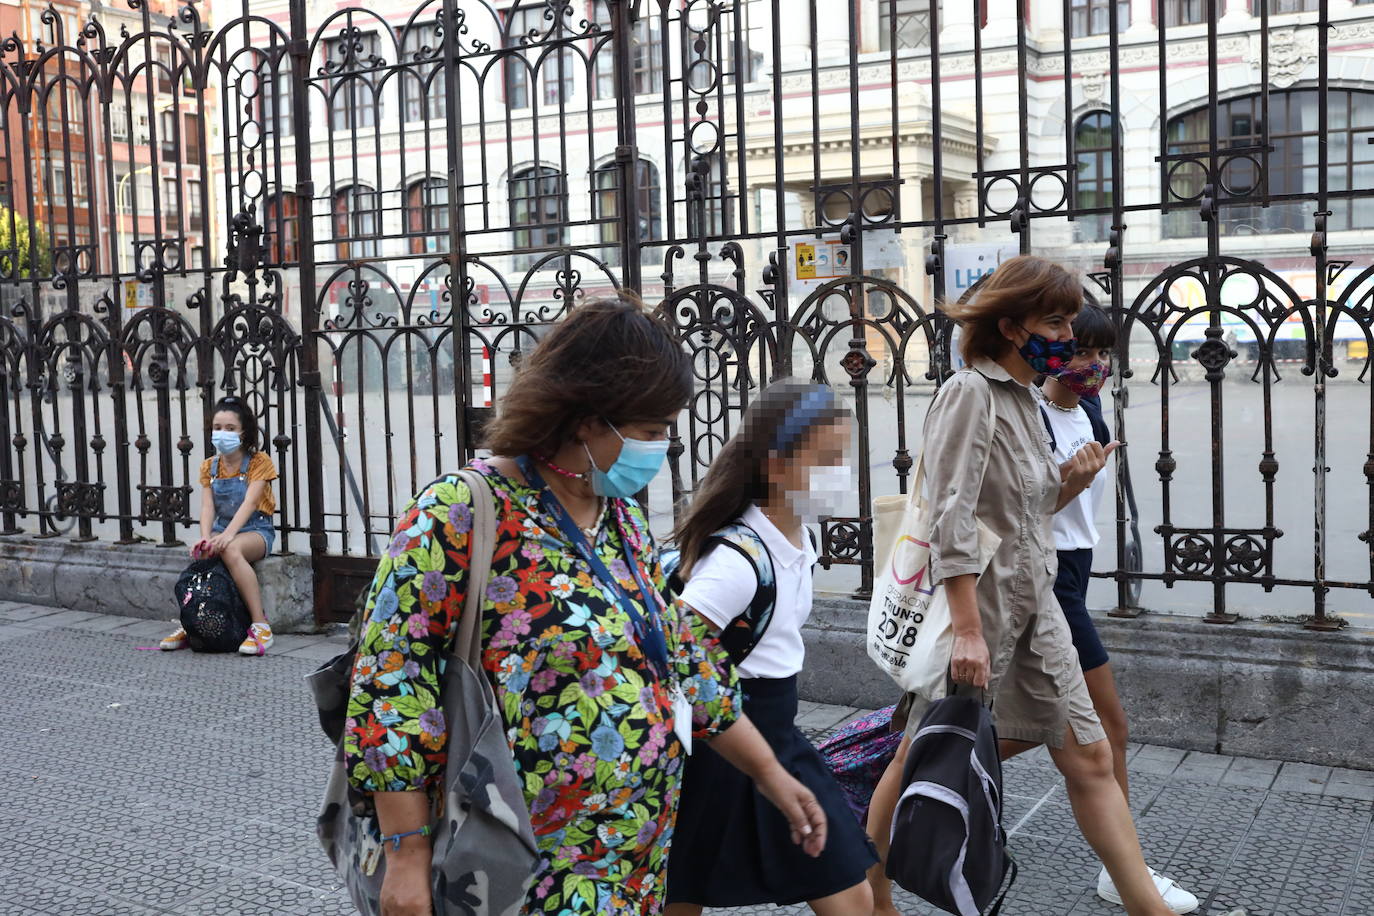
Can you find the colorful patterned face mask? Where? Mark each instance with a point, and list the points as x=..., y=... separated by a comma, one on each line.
x=1085, y=381
x=1048, y=357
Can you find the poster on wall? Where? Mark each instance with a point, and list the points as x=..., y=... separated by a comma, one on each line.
x=815, y=262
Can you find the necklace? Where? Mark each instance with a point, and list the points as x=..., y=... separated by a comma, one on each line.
x=595, y=529
x=547, y=461
x=1061, y=408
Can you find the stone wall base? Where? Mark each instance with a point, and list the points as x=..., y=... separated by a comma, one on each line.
x=137, y=580
x=1250, y=688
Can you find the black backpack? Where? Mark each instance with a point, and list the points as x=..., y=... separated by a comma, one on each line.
x=948, y=847
x=212, y=612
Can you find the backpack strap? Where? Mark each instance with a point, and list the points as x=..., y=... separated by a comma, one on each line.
x=742, y=634
x=1049, y=428
x=468, y=645
x=1092, y=406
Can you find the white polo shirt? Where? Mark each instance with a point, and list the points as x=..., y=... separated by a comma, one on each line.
x=723, y=583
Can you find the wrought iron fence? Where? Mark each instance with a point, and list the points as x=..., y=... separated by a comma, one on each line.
x=360, y=223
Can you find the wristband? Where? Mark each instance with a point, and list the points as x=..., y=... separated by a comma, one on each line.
x=395, y=838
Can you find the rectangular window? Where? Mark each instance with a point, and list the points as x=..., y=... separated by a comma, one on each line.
x=904, y=24
x=648, y=57
x=76, y=112
x=198, y=257
x=275, y=88
x=1184, y=12
x=1279, y=7
x=59, y=176
x=194, y=213
x=355, y=91
x=167, y=133
x=190, y=138
x=171, y=207
x=119, y=121
x=1094, y=17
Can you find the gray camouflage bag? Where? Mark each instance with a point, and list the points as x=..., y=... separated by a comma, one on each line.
x=484, y=848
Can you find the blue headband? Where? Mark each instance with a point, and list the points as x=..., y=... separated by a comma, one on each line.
x=801, y=416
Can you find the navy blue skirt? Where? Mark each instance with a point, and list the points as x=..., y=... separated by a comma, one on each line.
x=732, y=847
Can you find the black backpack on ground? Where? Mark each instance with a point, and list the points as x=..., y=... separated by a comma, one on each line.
x=948, y=847
x=211, y=609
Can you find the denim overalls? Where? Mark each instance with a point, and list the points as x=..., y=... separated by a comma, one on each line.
x=229, y=495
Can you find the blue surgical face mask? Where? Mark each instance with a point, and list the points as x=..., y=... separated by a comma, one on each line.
x=226, y=443
x=639, y=462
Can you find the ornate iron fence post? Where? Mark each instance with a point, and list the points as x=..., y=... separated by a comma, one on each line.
x=299, y=53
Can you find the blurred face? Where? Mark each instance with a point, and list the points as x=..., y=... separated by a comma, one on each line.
x=793, y=475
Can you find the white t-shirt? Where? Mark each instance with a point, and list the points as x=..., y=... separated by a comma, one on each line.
x=723, y=583
x=1075, y=526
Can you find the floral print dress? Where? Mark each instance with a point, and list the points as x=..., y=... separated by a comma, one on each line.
x=589, y=725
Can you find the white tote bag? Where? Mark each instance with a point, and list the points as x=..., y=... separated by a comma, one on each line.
x=910, y=632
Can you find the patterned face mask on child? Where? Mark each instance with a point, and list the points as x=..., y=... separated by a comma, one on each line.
x=1085, y=381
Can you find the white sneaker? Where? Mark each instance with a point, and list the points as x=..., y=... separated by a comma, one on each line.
x=1175, y=897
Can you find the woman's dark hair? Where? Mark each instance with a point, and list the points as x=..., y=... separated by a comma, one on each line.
x=1094, y=329
x=610, y=359
x=1021, y=288
x=777, y=423
x=248, y=421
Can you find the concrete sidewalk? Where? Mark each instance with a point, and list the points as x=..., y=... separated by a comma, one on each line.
x=146, y=782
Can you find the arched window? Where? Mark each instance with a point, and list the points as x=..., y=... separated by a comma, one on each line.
x=649, y=200
x=1093, y=182
x=538, y=210
x=426, y=213
x=1289, y=167
x=357, y=222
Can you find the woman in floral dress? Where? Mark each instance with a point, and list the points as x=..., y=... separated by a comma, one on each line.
x=587, y=685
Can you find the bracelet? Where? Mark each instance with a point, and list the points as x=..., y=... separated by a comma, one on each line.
x=395, y=838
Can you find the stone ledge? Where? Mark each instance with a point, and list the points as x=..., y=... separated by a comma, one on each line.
x=1252, y=689
x=137, y=580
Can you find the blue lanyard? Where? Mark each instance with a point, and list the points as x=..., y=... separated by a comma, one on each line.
x=647, y=634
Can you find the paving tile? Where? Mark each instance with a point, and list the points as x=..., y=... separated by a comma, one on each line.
x=19, y=612
x=322, y=650
x=105, y=623
x=144, y=760
x=61, y=619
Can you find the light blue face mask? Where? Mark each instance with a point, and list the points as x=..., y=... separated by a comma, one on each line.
x=639, y=462
x=226, y=443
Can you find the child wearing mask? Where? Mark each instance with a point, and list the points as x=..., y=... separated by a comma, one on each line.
x=746, y=559
x=236, y=507
x=1073, y=417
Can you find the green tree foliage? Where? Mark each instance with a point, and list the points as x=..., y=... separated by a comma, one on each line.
x=32, y=252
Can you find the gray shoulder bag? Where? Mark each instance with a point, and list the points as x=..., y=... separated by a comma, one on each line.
x=484, y=848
